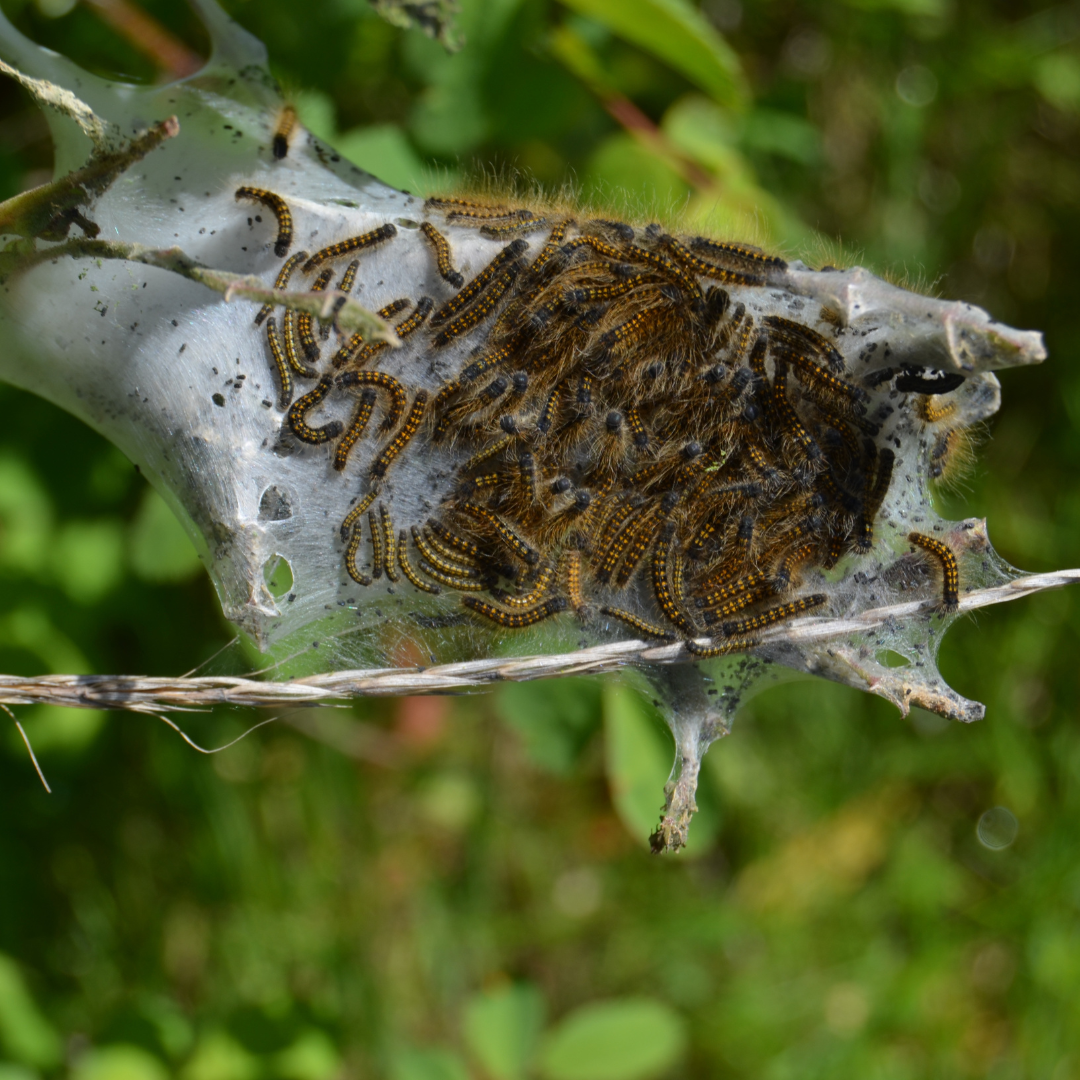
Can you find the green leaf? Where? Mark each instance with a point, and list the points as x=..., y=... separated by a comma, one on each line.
x=383, y=151
x=160, y=549
x=640, y=752
x=25, y=517
x=409, y=1063
x=678, y=34
x=311, y=1057
x=627, y=1039
x=555, y=718
x=1057, y=78
x=627, y=177
x=31, y=629
x=25, y=1035
x=502, y=1028
x=55, y=728
x=639, y=756
x=88, y=558
x=771, y=131
x=218, y=1056
x=449, y=799
x=317, y=113
x=119, y=1062
x=16, y=1072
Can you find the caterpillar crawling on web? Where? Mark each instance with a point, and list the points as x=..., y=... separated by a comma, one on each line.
x=477, y=425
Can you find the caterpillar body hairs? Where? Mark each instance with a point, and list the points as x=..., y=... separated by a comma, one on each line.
x=629, y=426
x=722, y=446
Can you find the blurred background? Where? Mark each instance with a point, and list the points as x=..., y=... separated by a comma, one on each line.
x=441, y=889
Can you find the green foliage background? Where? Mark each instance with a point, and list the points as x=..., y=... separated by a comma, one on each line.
x=459, y=888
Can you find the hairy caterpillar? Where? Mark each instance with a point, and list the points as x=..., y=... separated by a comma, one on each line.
x=720, y=486
x=613, y=423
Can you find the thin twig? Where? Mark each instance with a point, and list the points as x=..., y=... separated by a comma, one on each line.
x=151, y=695
x=347, y=314
x=29, y=749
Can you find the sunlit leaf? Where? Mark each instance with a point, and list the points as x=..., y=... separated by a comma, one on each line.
x=25, y=517
x=311, y=1057
x=412, y=1064
x=218, y=1056
x=55, y=728
x=25, y=1035
x=119, y=1062
x=502, y=1028
x=629, y=1039
x=385, y=152
x=88, y=558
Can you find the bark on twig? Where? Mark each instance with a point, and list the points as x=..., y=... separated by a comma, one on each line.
x=152, y=695
x=328, y=305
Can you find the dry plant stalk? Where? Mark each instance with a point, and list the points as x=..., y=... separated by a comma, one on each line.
x=538, y=431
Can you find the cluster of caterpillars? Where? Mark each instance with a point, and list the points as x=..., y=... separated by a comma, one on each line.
x=632, y=439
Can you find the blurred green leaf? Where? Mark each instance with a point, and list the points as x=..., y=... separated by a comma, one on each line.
x=218, y=1056
x=52, y=728
x=8, y=1071
x=384, y=151
x=639, y=756
x=311, y=1057
x=556, y=718
x=119, y=1062
x=413, y=1064
x=450, y=118
x=1057, y=78
x=502, y=1028
x=25, y=1035
x=1055, y=955
x=25, y=517
x=626, y=177
x=160, y=549
x=578, y=56
x=32, y=630
x=922, y=876
x=918, y=8
x=678, y=34
x=626, y=1039
x=172, y=1028
x=449, y=799
x=771, y=131
x=88, y=558
x=736, y=206
x=317, y=113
